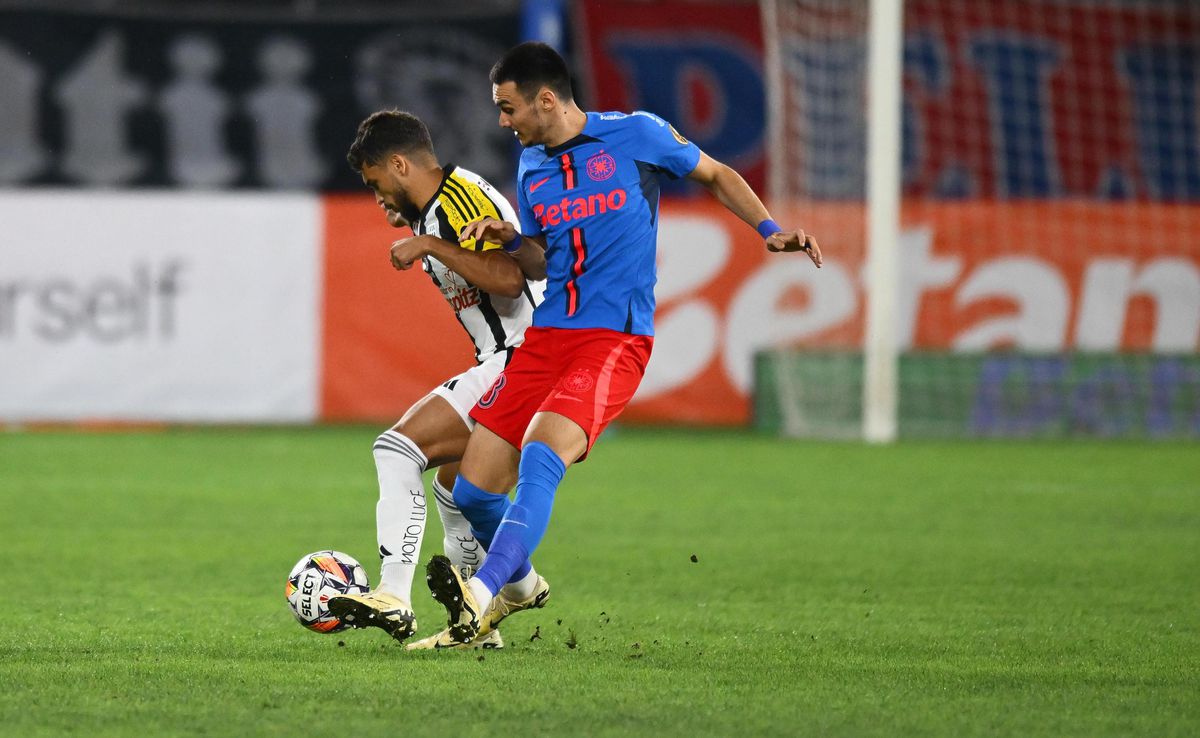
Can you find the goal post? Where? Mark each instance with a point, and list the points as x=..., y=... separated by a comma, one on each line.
x=791, y=28
x=885, y=60
x=820, y=134
x=1007, y=194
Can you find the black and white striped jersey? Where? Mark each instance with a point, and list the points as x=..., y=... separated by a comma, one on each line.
x=494, y=323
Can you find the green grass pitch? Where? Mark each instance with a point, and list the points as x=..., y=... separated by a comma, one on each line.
x=927, y=589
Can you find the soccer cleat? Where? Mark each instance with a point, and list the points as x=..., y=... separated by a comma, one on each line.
x=439, y=641
x=375, y=609
x=502, y=606
x=452, y=592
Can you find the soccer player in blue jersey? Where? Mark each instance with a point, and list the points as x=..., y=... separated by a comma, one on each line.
x=588, y=187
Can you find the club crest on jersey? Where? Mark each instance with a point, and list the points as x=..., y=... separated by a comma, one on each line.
x=601, y=166
x=579, y=381
x=678, y=136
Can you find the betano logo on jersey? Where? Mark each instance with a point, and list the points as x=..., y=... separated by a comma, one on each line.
x=580, y=207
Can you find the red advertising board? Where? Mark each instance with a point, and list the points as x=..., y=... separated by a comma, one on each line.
x=387, y=337
x=974, y=276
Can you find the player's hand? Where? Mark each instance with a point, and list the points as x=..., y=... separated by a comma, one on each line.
x=488, y=228
x=795, y=241
x=406, y=252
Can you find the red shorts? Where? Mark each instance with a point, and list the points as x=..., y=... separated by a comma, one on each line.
x=587, y=375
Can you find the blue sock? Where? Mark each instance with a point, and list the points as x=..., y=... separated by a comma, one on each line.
x=525, y=522
x=484, y=511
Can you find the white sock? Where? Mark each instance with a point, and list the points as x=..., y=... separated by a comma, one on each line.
x=523, y=588
x=482, y=594
x=400, y=513
x=461, y=547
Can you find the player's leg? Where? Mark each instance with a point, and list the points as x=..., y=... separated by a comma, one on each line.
x=464, y=552
x=478, y=605
x=603, y=369
x=552, y=443
x=494, y=461
x=502, y=413
x=437, y=430
x=458, y=542
x=511, y=585
x=430, y=433
x=487, y=472
x=601, y=374
x=489, y=468
x=463, y=392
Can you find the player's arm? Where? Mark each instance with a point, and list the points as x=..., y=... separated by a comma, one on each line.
x=491, y=271
x=528, y=251
x=732, y=191
x=530, y=254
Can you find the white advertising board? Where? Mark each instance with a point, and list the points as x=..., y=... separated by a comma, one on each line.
x=159, y=306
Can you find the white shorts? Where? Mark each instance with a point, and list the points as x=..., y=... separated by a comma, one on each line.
x=463, y=391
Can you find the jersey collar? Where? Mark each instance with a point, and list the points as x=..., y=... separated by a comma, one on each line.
x=446, y=171
x=582, y=138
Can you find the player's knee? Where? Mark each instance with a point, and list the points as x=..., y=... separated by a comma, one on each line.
x=392, y=448
x=446, y=474
x=561, y=435
x=470, y=498
x=482, y=509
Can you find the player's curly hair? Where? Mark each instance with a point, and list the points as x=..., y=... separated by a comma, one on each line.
x=386, y=131
x=533, y=65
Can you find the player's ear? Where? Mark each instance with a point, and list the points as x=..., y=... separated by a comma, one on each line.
x=398, y=164
x=547, y=99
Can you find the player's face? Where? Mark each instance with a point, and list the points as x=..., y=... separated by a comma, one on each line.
x=518, y=114
x=389, y=193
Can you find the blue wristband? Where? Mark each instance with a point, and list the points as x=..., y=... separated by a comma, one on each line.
x=514, y=245
x=767, y=228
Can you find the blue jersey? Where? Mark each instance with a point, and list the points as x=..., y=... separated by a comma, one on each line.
x=595, y=199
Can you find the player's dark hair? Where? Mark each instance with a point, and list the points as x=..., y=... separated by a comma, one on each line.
x=386, y=131
x=532, y=66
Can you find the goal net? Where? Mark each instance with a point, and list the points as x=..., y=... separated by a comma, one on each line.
x=1047, y=257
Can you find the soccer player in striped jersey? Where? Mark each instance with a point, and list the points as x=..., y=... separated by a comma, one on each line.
x=588, y=188
x=494, y=303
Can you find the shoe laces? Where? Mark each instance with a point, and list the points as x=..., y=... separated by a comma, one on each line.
x=498, y=604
